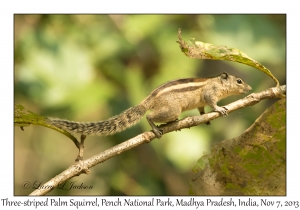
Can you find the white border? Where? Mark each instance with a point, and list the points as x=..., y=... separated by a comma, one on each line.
x=8, y=8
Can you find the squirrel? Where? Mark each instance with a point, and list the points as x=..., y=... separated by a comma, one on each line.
x=165, y=104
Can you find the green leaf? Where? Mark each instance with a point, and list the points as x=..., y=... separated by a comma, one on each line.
x=253, y=163
x=201, y=164
x=24, y=117
x=201, y=50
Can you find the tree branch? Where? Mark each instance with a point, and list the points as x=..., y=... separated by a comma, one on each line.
x=83, y=166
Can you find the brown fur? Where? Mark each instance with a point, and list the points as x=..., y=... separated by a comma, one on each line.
x=166, y=104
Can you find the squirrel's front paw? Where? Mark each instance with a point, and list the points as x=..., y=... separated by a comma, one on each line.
x=222, y=111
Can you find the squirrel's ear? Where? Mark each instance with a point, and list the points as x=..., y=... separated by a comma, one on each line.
x=224, y=75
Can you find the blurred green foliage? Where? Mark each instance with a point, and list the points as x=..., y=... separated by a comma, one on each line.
x=90, y=67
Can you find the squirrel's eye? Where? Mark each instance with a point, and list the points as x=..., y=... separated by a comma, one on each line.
x=239, y=81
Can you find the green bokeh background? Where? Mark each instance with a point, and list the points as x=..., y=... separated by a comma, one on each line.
x=90, y=67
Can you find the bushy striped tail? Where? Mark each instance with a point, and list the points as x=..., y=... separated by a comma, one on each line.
x=110, y=126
